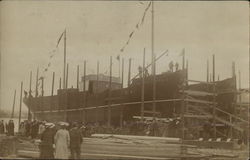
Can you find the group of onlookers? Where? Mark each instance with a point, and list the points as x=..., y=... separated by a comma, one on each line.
x=57, y=141
x=7, y=128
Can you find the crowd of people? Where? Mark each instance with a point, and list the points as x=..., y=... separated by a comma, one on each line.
x=7, y=128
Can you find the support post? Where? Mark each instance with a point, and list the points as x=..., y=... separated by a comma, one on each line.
x=207, y=70
x=97, y=90
x=143, y=85
x=110, y=87
x=60, y=83
x=183, y=59
x=240, y=92
x=64, y=61
x=214, y=105
x=20, y=109
x=84, y=91
x=129, y=71
x=37, y=74
x=52, y=91
x=122, y=70
x=30, y=92
x=67, y=76
x=77, y=77
x=13, y=107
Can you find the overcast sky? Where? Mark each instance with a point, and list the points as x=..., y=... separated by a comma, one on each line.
x=97, y=30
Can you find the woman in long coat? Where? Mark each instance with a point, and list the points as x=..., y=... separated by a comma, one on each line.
x=62, y=141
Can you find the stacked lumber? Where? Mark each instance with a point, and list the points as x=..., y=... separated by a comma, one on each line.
x=122, y=147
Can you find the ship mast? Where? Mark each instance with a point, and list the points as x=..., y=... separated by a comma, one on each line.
x=64, y=61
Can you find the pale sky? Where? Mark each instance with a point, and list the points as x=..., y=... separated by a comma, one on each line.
x=98, y=29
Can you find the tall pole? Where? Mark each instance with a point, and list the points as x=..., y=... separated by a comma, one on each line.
x=77, y=77
x=97, y=76
x=143, y=85
x=67, y=75
x=60, y=83
x=53, y=80
x=20, y=109
x=213, y=68
x=183, y=59
x=153, y=61
x=64, y=61
x=84, y=76
x=240, y=92
x=110, y=87
x=129, y=71
x=84, y=91
x=13, y=107
x=122, y=70
x=37, y=74
x=207, y=70
x=187, y=70
x=30, y=91
x=52, y=91
x=214, y=127
x=97, y=89
x=42, y=86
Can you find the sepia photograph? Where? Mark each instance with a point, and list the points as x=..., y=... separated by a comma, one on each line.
x=103, y=79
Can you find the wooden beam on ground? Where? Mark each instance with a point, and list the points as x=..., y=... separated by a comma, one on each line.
x=198, y=116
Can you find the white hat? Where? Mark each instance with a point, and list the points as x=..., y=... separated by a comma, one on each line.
x=49, y=125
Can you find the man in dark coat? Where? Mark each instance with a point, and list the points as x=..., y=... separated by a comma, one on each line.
x=10, y=128
x=47, y=141
x=2, y=129
x=75, y=141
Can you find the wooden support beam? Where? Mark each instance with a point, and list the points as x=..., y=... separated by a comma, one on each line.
x=60, y=83
x=52, y=91
x=53, y=82
x=183, y=59
x=214, y=97
x=110, y=88
x=97, y=90
x=37, y=74
x=30, y=93
x=64, y=61
x=122, y=71
x=84, y=90
x=207, y=70
x=77, y=77
x=129, y=71
x=20, y=108
x=67, y=76
x=143, y=85
x=13, y=106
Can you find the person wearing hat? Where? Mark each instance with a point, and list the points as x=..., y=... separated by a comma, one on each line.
x=47, y=141
x=62, y=142
x=75, y=141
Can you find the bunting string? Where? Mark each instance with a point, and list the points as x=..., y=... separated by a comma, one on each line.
x=137, y=27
